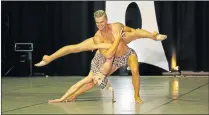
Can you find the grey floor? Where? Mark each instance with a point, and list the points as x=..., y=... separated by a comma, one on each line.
x=161, y=95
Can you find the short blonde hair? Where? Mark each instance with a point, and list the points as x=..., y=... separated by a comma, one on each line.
x=100, y=13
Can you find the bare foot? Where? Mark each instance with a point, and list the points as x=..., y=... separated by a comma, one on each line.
x=159, y=37
x=45, y=60
x=71, y=98
x=54, y=101
x=138, y=99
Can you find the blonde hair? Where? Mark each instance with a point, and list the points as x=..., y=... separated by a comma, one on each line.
x=100, y=13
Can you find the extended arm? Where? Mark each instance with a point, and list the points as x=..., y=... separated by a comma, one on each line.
x=101, y=46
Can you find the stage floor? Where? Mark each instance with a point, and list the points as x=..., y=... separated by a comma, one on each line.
x=161, y=95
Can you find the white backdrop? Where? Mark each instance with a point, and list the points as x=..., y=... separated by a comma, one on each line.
x=148, y=51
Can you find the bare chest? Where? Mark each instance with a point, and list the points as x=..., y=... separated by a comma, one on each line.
x=108, y=38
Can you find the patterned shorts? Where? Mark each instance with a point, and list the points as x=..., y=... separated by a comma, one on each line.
x=99, y=60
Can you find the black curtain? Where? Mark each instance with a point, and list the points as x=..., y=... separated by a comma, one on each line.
x=186, y=24
x=51, y=25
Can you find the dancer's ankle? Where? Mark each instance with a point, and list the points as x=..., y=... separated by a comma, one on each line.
x=155, y=34
x=136, y=95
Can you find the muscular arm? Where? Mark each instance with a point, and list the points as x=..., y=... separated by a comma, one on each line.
x=111, y=51
x=101, y=46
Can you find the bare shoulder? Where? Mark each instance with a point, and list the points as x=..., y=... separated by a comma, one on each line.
x=117, y=25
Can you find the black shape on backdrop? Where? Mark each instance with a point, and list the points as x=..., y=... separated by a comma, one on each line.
x=133, y=16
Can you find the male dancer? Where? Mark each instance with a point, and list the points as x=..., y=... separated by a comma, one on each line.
x=123, y=55
x=100, y=71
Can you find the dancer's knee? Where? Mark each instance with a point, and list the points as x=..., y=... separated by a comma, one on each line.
x=138, y=31
x=82, y=82
x=74, y=48
x=91, y=84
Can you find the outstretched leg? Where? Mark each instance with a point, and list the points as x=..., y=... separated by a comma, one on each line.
x=86, y=45
x=73, y=89
x=145, y=34
x=140, y=33
x=133, y=64
x=82, y=89
x=87, y=86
